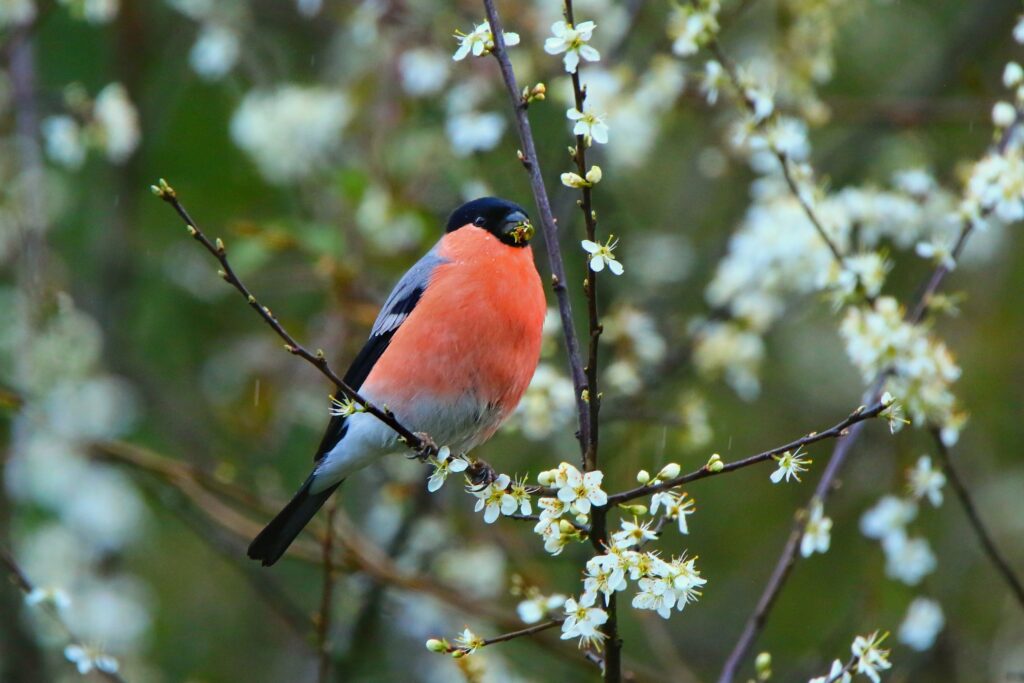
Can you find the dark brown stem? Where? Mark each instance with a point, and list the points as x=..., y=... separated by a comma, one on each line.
x=512, y=635
x=998, y=561
x=548, y=226
x=838, y=430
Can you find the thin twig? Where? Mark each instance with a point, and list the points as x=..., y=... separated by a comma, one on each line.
x=737, y=83
x=838, y=430
x=24, y=584
x=755, y=623
x=512, y=635
x=998, y=561
x=549, y=229
x=418, y=442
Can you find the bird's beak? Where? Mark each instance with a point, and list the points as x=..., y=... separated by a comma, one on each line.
x=518, y=226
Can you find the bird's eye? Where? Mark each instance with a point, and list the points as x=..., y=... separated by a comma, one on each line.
x=479, y=222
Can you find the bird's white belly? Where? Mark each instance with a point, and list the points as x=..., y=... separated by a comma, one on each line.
x=461, y=425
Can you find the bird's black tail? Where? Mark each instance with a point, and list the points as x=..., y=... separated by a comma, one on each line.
x=270, y=544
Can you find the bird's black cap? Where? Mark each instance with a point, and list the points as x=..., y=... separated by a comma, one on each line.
x=500, y=217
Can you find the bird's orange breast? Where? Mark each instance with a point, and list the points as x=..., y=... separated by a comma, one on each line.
x=476, y=330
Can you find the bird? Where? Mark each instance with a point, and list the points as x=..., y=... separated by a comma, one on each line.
x=450, y=354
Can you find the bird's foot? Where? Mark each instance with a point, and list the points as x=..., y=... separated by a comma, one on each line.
x=480, y=474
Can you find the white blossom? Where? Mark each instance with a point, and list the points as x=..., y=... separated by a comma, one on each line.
x=64, y=142
x=215, y=52
x=836, y=674
x=583, y=621
x=291, y=131
x=118, y=122
x=606, y=575
x=589, y=125
x=691, y=26
x=444, y=464
x=17, y=12
x=480, y=41
x=532, y=610
x=791, y=464
x=924, y=481
x=54, y=597
x=580, y=491
x=923, y=622
x=473, y=131
x=468, y=642
x=572, y=40
x=889, y=516
x=677, y=507
x=87, y=659
x=423, y=71
x=907, y=559
x=601, y=255
x=870, y=657
x=633, y=533
x=495, y=500
x=714, y=79
x=817, y=532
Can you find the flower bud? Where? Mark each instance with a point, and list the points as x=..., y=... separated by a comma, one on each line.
x=573, y=180
x=435, y=645
x=594, y=174
x=566, y=527
x=582, y=518
x=714, y=463
x=763, y=666
x=545, y=478
x=643, y=476
x=669, y=471
x=637, y=509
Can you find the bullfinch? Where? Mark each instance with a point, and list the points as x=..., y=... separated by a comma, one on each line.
x=451, y=353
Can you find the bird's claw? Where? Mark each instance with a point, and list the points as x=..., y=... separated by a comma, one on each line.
x=481, y=475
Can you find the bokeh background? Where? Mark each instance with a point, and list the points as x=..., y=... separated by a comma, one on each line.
x=326, y=142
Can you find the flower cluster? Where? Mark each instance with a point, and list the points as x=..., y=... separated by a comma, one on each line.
x=662, y=584
x=878, y=338
x=576, y=494
x=291, y=131
x=108, y=124
x=691, y=26
x=502, y=497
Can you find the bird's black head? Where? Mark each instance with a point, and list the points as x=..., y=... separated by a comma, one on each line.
x=503, y=219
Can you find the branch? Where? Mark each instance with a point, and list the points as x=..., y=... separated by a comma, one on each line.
x=786, y=560
x=23, y=584
x=547, y=221
x=418, y=442
x=1000, y=562
x=512, y=635
x=737, y=83
x=839, y=430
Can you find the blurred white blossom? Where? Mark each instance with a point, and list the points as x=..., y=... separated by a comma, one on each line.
x=889, y=516
x=215, y=51
x=907, y=559
x=923, y=622
x=925, y=481
x=63, y=138
x=817, y=532
x=423, y=71
x=118, y=122
x=291, y=131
